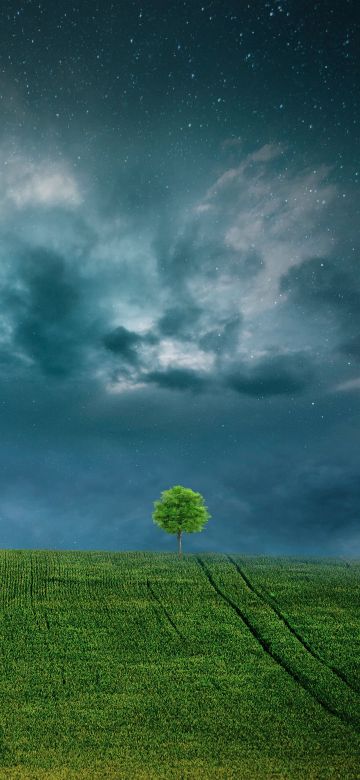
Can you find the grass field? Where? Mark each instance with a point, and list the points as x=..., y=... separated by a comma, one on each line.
x=138, y=665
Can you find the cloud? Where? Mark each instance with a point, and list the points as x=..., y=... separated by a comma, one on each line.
x=123, y=343
x=43, y=308
x=86, y=293
x=324, y=292
x=41, y=184
x=232, y=142
x=179, y=320
x=272, y=375
x=178, y=379
x=254, y=223
x=224, y=339
x=348, y=386
x=267, y=153
x=49, y=323
x=221, y=265
x=179, y=354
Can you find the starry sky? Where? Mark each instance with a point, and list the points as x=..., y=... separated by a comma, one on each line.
x=179, y=273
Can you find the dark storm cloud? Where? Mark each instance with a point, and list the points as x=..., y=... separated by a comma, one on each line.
x=272, y=375
x=45, y=309
x=123, y=343
x=276, y=374
x=178, y=379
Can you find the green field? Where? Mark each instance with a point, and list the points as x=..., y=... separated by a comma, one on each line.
x=139, y=665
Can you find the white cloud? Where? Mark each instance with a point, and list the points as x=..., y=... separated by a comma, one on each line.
x=263, y=208
x=202, y=207
x=231, y=143
x=45, y=184
x=266, y=153
x=124, y=386
x=175, y=354
x=348, y=386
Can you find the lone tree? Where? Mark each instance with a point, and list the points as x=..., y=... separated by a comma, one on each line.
x=180, y=509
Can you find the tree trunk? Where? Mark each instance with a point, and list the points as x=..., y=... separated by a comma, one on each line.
x=179, y=542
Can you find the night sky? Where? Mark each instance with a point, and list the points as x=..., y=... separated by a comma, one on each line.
x=179, y=273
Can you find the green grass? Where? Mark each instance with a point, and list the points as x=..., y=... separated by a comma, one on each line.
x=141, y=666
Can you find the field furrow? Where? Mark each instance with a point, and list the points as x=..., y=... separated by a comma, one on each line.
x=282, y=650
x=272, y=604
x=320, y=598
x=164, y=611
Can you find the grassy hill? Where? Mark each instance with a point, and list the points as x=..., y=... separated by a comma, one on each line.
x=138, y=665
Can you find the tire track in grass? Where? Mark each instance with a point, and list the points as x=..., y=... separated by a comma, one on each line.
x=293, y=673
x=269, y=602
x=183, y=638
x=163, y=609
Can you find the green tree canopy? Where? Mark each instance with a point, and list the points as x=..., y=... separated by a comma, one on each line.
x=180, y=509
